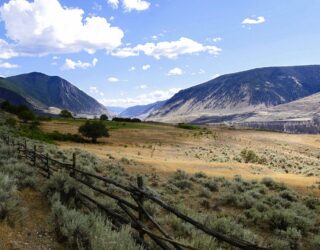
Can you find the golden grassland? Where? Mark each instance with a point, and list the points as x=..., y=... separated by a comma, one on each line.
x=161, y=148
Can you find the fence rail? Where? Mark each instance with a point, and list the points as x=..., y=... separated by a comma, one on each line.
x=138, y=217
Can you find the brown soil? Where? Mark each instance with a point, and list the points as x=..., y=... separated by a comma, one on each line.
x=33, y=230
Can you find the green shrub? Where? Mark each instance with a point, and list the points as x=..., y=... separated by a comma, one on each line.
x=9, y=201
x=65, y=186
x=188, y=126
x=316, y=243
x=249, y=156
x=71, y=226
x=212, y=185
x=103, y=237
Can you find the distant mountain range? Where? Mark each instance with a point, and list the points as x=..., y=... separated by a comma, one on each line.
x=115, y=110
x=48, y=94
x=141, y=111
x=245, y=95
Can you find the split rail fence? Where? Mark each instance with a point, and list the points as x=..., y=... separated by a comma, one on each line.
x=137, y=215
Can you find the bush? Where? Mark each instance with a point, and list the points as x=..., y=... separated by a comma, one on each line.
x=316, y=243
x=187, y=126
x=57, y=136
x=26, y=116
x=212, y=185
x=249, y=156
x=282, y=219
x=65, y=114
x=103, y=237
x=11, y=122
x=104, y=117
x=71, y=226
x=9, y=201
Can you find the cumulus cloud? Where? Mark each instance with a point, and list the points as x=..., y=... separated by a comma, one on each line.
x=44, y=26
x=138, y=5
x=95, y=90
x=130, y=5
x=132, y=69
x=6, y=65
x=113, y=79
x=169, y=50
x=252, y=21
x=70, y=64
x=114, y=3
x=6, y=51
x=217, y=39
x=175, y=72
x=154, y=96
x=146, y=67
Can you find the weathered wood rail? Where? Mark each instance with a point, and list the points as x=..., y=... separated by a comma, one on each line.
x=137, y=216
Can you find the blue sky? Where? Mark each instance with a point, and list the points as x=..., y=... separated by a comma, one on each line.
x=129, y=52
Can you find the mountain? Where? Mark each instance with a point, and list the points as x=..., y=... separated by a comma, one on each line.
x=304, y=109
x=115, y=110
x=45, y=93
x=142, y=111
x=238, y=95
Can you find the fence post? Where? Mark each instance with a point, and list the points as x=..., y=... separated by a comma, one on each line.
x=140, y=199
x=47, y=165
x=25, y=148
x=34, y=155
x=73, y=173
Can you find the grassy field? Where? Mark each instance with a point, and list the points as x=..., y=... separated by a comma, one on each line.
x=216, y=151
x=259, y=186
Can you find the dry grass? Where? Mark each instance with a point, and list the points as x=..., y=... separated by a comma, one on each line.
x=293, y=159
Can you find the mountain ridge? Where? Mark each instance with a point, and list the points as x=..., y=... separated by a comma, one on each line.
x=42, y=92
x=240, y=93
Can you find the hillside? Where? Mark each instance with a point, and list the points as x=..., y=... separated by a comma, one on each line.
x=42, y=92
x=142, y=111
x=239, y=94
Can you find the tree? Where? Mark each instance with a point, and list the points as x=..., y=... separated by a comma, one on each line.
x=65, y=114
x=26, y=116
x=94, y=130
x=104, y=117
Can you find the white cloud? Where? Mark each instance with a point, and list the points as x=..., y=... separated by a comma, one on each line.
x=142, y=86
x=130, y=5
x=217, y=39
x=158, y=95
x=251, y=21
x=132, y=69
x=113, y=79
x=6, y=65
x=175, y=72
x=201, y=71
x=138, y=5
x=170, y=50
x=97, y=6
x=44, y=26
x=55, y=58
x=114, y=3
x=70, y=64
x=6, y=51
x=146, y=67
x=95, y=90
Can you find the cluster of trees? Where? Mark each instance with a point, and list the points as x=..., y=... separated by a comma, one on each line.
x=22, y=111
x=120, y=119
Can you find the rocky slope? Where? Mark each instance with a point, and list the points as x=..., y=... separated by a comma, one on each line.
x=44, y=93
x=237, y=96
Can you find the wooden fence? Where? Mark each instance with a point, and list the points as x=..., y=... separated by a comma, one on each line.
x=137, y=216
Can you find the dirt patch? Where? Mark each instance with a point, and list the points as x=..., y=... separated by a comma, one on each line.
x=33, y=231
